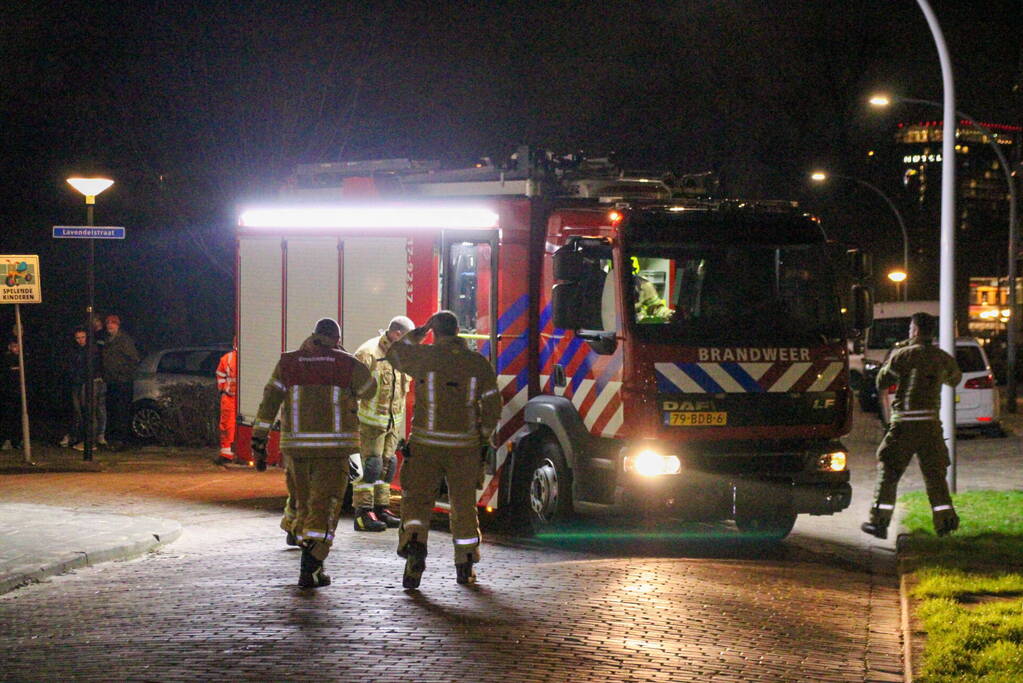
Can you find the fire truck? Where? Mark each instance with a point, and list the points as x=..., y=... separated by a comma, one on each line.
x=681, y=358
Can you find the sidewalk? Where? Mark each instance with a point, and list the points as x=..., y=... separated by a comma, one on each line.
x=41, y=540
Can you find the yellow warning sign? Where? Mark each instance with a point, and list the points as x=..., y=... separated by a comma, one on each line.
x=20, y=280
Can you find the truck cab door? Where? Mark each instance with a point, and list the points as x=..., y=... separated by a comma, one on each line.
x=469, y=286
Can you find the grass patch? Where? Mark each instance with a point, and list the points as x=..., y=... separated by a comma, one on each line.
x=969, y=587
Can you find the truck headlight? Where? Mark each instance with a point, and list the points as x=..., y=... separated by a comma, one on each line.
x=832, y=462
x=652, y=464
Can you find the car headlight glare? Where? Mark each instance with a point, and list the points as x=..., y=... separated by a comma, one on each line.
x=652, y=464
x=832, y=462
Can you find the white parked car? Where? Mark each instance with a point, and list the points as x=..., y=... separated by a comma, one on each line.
x=977, y=403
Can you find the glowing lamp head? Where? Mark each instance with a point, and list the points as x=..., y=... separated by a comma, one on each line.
x=818, y=176
x=897, y=276
x=880, y=100
x=649, y=463
x=832, y=462
x=90, y=187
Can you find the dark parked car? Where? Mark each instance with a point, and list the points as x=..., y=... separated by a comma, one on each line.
x=160, y=369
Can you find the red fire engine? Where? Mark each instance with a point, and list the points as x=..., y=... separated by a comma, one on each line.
x=684, y=358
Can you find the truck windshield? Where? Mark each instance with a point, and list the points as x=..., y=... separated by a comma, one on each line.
x=703, y=294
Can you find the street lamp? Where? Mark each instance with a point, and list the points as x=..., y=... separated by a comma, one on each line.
x=821, y=176
x=1012, y=327
x=898, y=277
x=90, y=187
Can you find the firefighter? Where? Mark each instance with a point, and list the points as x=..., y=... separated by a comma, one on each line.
x=456, y=410
x=227, y=385
x=919, y=368
x=318, y=386
x=649, y=306
x=380, y=419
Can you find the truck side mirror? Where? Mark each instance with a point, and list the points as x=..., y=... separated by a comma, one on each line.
x=863, y=309
x=859, y=263
x=567, y=312
x=570, y=264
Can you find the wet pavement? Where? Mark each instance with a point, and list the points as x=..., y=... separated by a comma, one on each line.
x=221, y=602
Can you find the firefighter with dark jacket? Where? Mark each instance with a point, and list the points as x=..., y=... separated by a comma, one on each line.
x=456, y=410
x=918, y=368
x=319, y=386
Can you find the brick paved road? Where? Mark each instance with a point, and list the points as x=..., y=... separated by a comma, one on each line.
x=220, y=603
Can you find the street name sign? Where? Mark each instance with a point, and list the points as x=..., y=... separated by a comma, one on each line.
x=98, y=232
x=20, y=284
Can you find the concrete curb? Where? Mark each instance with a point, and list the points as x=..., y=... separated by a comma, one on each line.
x=907, y=632
x=166, y=531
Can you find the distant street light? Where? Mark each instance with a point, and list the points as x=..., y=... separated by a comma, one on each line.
x=90, y=187
x=821, y=176
x=1012, y=327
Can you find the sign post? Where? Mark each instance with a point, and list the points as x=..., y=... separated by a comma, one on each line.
x=21, y=285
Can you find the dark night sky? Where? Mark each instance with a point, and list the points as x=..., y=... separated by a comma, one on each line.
x=190, y=105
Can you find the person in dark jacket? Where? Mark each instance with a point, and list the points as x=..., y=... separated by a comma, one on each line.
x=10, y=397
x=120, y=359
x=76, y=381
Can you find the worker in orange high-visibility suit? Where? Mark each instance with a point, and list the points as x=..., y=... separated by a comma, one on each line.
x=227, y=384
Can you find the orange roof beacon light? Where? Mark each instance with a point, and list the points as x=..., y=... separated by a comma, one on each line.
x=615, y=217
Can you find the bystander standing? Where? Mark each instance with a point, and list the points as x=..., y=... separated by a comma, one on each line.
x=120, y=358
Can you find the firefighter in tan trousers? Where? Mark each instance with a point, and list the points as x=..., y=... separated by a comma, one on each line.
x=381, y=417
x=319, y=386
x=919, y=368
x=457, y=408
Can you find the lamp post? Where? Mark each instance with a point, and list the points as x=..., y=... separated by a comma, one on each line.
x=821, y=176
x=1012, y=326
x=90, y=187
x=898, y=277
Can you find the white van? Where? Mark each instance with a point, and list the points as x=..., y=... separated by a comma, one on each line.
x=891, y=324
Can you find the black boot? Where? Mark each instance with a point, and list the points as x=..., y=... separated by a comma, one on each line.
x=948, y=524
x=414, y=553
x=875, y=529
x=463, y=571
x=386, y=516
x=311, y=573
x=366, y=520
x=291, y=539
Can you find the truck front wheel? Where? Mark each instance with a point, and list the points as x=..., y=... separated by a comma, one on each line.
x=769, y=525
x=541, y=488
